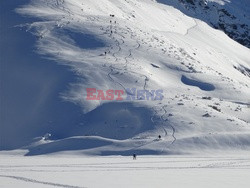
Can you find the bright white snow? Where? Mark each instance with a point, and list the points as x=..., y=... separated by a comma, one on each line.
x=149, y=46
x=117, y=171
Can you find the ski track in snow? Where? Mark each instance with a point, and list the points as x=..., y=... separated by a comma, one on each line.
x=39, y=182
x=189, y=29
x=86, y=171
x=148, y=162
x=113, y=31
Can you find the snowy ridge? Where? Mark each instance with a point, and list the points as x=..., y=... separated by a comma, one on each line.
x=232, y=17
x=148, y=45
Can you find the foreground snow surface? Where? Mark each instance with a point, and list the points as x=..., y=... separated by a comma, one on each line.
x=117, y=171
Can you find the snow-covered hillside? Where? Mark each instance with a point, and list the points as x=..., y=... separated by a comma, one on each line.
x=232, y=16
x=147, y=45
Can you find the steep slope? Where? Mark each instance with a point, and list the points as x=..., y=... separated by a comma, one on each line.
x=232, y=17
x=30, y=85
x=142, y=44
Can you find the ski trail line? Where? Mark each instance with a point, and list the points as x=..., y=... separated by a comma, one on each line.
x=39, y=182
x=173, y=133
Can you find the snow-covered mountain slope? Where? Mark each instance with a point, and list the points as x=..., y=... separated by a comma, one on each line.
x=143, y=44
x=230, y=16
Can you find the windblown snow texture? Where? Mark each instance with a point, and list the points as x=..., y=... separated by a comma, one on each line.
x=147, y=45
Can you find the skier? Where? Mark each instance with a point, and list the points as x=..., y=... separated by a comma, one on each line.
x=134, y=156
x=159, y=137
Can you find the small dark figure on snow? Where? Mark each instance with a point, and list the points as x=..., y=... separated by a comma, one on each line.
x=159, y=136
x=134, y=156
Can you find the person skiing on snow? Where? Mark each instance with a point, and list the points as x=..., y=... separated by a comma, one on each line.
x=134, y=156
